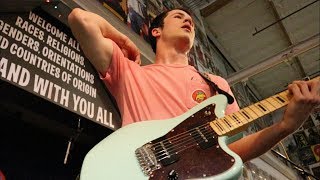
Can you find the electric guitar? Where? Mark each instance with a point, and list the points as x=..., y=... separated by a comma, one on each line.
x=190, y=146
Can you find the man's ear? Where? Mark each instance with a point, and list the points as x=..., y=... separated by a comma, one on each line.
x=156, y=32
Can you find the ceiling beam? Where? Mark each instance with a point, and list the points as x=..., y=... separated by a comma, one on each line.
x=267, y=63
x=213, y=7
x=296, y=60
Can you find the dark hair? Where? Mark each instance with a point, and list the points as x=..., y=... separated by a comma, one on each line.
x=159, y=22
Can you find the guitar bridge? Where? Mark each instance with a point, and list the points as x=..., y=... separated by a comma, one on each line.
x=147, y=159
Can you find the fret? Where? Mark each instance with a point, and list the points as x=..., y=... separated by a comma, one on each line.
x=223, y=125
x=284, y=96
x=256, y=110
x=280, y=99
x=234, y=119
x=249, y=113
x=226, y=122
x=235, y=124
x=215, y=128
x=273, y=102
x=244, y=114
x=218, y=126
x=242, y=117
x=261, y=107
x=268, y=105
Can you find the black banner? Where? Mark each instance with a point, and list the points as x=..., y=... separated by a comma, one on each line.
x=40, y=55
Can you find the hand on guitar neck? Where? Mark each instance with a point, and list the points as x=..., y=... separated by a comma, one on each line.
x=304, y=97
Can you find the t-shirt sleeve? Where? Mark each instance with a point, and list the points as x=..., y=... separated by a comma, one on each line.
x=118, y=64
x=223, y=84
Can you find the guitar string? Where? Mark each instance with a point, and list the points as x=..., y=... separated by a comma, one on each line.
x=168, y=156
x=170, y=152
x=179, y=136
x=186, y=143
x=177, y=144
x=176, y=147
x=184, y=138
x=231, y=123
x=188, y=132
x=185, y=147
x=188, y=136
x=185, y=134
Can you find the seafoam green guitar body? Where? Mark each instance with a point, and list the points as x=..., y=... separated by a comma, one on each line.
x=184, y=147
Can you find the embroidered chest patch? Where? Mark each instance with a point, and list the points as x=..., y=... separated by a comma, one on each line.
x=199, y=96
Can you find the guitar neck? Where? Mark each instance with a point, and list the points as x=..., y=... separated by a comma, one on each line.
x=233, y=123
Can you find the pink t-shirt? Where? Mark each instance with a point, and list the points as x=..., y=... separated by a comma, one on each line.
x=157, y=91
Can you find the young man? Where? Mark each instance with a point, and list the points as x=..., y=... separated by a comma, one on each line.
x=170, y=87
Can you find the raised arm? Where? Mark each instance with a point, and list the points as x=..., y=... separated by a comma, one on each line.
x=95, y=34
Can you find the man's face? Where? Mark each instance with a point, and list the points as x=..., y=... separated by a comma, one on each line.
x=179, y=24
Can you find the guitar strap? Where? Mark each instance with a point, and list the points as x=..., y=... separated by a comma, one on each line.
x=216, y=88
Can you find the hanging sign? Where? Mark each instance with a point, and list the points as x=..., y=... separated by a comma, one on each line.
x=40, y=55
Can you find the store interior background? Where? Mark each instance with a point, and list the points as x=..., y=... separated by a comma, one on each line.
x=34, y=133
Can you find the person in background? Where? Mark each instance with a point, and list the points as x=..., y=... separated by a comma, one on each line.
x=170, y=86
x=137, y=17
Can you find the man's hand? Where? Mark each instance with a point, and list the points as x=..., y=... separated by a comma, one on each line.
x=95, y=35
x=130, y=50
x=304, y=97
